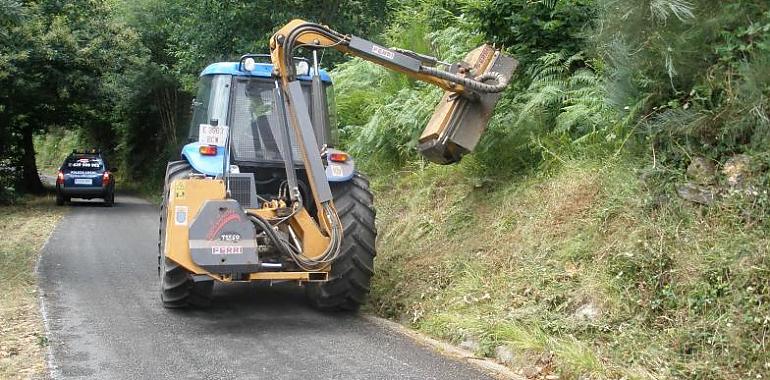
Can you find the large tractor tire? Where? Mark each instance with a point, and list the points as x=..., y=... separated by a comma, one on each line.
x=178, y=287
x=351, y=273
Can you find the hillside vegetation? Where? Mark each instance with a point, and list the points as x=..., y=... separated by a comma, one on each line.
x=611, y=224
x=579, y=271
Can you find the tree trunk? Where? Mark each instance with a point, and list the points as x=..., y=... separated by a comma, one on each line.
x=167, y=100
x=30, y=177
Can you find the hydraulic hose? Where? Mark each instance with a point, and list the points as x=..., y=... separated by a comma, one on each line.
x=475, y=84
x=287, y=249
x=290, y=40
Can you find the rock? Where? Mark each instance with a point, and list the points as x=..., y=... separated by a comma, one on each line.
x=531, y=372
x=552, y=377
x=737, y=169
x=697, y=193
x=702, y=171
x=587, y=312
x=659, y=201
x=546, y=358
x=471, y=345
x=504, y=354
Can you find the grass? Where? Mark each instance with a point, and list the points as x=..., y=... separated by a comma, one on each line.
x=589, y=271
x=24, y=229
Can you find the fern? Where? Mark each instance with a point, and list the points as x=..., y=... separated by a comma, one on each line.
x=382, y=113
x=566, y=99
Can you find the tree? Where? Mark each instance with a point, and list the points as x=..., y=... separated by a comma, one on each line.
x=53, y=71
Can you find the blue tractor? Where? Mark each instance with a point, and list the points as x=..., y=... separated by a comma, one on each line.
x=262, y=194
x=237, y=137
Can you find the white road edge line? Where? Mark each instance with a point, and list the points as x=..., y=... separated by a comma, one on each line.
x=51, y=368
x=485, y=365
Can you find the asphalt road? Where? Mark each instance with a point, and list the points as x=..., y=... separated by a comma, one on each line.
x=99, y=285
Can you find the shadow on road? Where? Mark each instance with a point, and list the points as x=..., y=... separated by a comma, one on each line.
x=255, y=298
x=75, y=202
x=244, y=309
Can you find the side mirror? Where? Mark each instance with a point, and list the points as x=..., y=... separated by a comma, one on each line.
x=113, y=170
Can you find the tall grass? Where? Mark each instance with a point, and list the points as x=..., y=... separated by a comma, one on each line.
x=671, y=290
x=24, y=228
x=562, y=237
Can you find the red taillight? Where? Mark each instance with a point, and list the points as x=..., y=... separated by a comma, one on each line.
x=338, y=157
x=208, y=150
x=106, y=178
x=60, y=178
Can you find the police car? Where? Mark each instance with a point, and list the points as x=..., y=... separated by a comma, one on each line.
x=86, y=175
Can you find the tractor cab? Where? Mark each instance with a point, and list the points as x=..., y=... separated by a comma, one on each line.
x=237, y=126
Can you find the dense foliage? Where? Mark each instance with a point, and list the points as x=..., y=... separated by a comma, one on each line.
x=685, y=78
x=651, y=83
x=56, y=64
x=121, y=74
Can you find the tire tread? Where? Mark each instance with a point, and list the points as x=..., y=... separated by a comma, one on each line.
x=351, y=274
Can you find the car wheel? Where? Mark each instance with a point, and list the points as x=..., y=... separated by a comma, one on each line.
x=109, y=199
x=60, y=199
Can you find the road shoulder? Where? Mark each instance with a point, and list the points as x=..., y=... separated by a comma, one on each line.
x=24, y=228
x=488, y=366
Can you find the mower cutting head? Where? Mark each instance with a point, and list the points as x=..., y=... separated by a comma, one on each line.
x=460, y=119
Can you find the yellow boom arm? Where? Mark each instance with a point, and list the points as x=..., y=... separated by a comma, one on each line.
x=472, y=89
x=465, y=109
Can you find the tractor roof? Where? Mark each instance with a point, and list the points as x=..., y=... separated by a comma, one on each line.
x=263, y=70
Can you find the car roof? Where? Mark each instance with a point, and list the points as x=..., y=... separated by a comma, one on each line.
x=262, y=70
x=92, y=156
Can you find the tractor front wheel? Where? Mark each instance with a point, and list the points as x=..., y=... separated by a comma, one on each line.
x=178, y=287
x=352, y=272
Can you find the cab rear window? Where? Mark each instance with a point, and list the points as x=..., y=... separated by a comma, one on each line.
x=83, y=164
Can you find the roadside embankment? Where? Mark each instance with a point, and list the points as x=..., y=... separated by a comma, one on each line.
x=594, y=270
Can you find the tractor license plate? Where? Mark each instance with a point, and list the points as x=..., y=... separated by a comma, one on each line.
x=212, y=134
x=83, y=181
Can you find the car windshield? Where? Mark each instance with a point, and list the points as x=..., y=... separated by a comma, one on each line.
x=83, y=164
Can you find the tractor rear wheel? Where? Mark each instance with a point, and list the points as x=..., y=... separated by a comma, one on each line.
x=178, y=287
x=352, y=272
